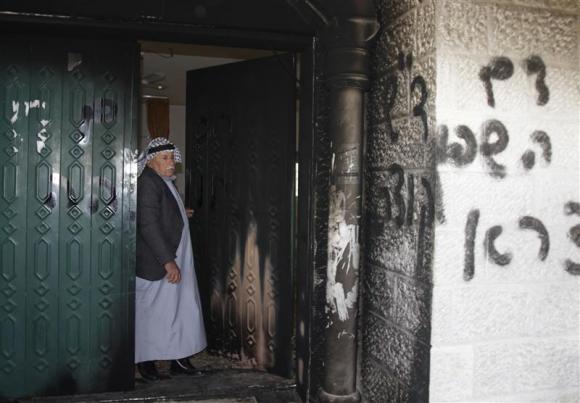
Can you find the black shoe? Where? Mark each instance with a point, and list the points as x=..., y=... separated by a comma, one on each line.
x=149, y=372
x=183, y=367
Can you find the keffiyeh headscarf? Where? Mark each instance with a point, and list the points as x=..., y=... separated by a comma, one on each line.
x=156, y=146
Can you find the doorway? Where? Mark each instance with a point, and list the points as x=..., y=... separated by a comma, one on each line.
x=72, y=320
x=233, y=114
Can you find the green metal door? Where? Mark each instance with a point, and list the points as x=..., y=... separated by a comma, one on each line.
x=67, y=201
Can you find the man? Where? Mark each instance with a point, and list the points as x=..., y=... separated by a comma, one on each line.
x=168, y=316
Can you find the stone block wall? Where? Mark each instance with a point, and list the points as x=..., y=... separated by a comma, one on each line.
x=471, y=273
x=506, y=295
x=400, y=205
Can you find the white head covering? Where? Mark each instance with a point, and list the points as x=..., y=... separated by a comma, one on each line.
x=156, y=146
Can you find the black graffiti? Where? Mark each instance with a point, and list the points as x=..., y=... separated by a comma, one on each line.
x=430, y=208
x=525, y=223
x=540, y=137
x=574, y=234
x=462, y=155
x=572, y=267
x=531, y=223
x=394, y=196
x=543, y=140
x=426, y=218
x=501, y=259
x=456, y=153
x=439, y=206
x=535, y=65
x=489, y=149
x=572, y=208
x=500, y=68
x=392, y=87
x=528, y=160
x=396, y=209
x=470, y=234
x=419, y=109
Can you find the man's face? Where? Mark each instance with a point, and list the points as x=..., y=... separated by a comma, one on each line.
x=163, y=163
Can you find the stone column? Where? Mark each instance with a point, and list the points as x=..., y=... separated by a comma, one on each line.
x=346, y=40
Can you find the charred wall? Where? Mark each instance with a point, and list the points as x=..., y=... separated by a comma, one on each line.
x=400, y=184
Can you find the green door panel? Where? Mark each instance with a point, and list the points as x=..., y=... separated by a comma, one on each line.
x=67, y=230
x=14, y=91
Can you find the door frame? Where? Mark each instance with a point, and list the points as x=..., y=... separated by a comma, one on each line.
x=304, y=45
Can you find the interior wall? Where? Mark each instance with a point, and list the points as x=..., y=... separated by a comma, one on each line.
x=400, y=206
x=506, y=298
x=176, y=136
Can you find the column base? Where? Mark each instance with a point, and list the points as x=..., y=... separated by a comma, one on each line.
x=325, y=397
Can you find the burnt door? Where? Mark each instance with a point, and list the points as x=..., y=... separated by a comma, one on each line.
x=66, y=227
x=240, y=156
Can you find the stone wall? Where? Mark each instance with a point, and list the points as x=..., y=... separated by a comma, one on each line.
x=472, y=210
x=506, y=296
x=400, y=205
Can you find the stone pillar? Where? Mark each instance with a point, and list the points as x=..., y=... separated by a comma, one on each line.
x=346, y=40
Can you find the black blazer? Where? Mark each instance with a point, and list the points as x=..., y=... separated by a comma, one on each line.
x=159, y=225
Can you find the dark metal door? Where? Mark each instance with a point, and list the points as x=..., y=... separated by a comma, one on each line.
x=66, y=216
x=240, y=141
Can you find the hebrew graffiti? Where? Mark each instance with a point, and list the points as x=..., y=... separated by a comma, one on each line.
x=417, y=85
x=457, y=154
x=500, y=68
x=419, y=109
x=427, y=215
x=463, y=155
x=573, y=208
x=543, y=140
x=470, y=234
x=501, y=259
x=535, y=65
x=525, y=223
x=489, y=149
x=531, y=223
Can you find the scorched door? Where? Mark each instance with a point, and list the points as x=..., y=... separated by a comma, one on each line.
x=240, y=148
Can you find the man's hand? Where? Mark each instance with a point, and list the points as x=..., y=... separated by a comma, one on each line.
x=189, y=212
x=173, y=272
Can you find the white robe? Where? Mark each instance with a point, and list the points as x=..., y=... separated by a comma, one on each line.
x=168, y=317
